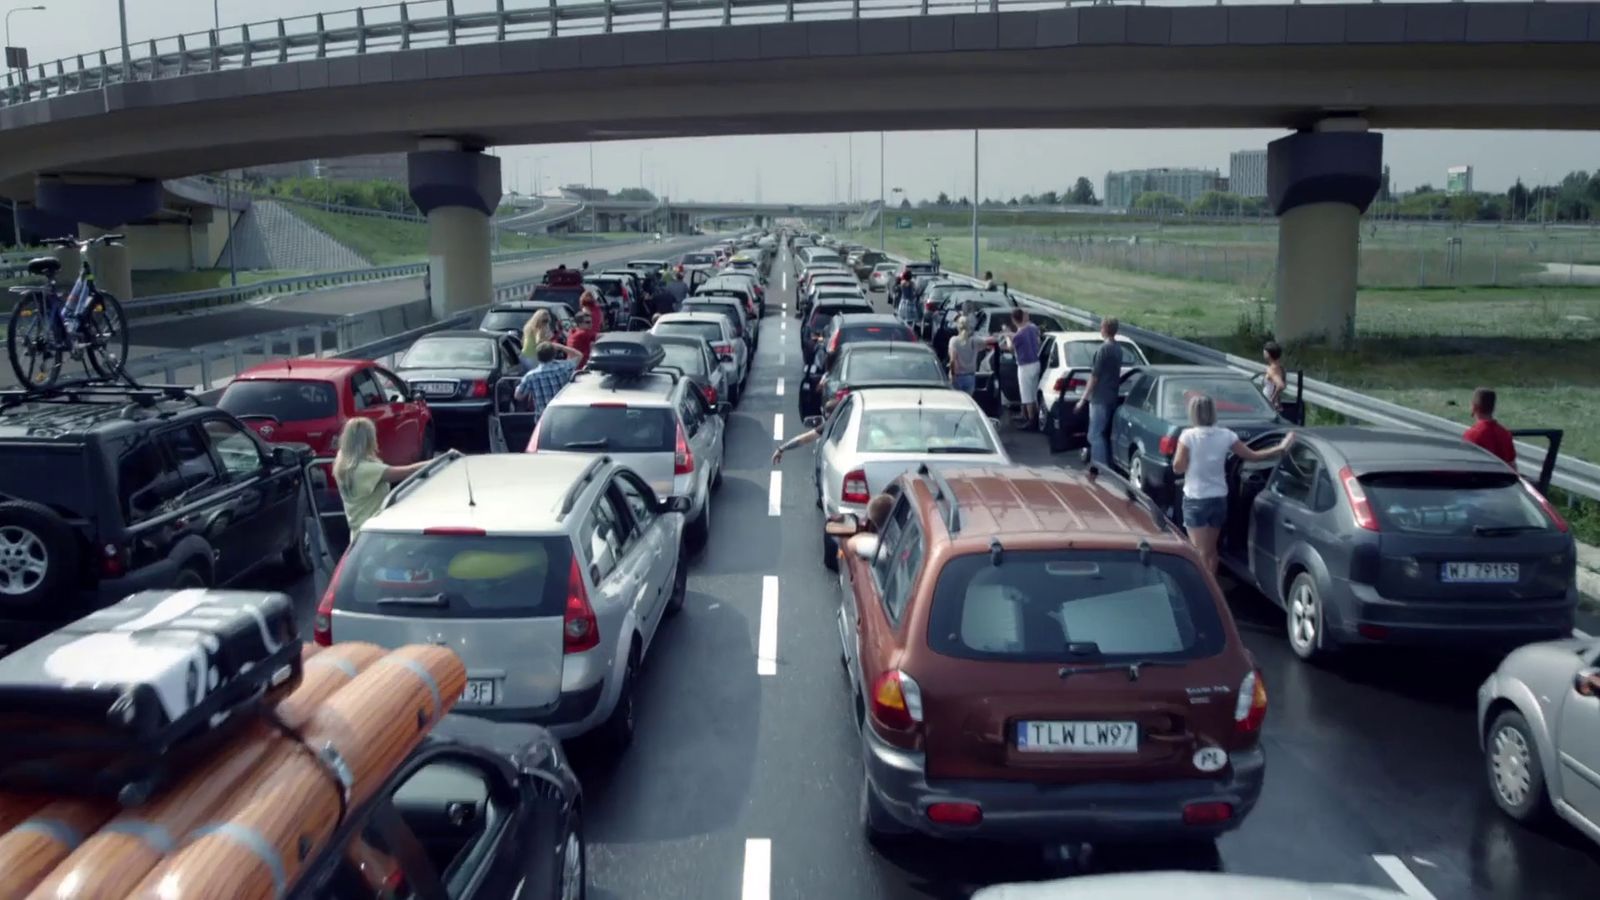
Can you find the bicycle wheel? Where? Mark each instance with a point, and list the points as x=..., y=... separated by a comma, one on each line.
x=34, y=351
x=104, y=332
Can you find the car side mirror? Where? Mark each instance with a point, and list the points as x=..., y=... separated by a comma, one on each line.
x=1587, y=682
x=678, y=505
x=286, y=457
x=842, y=525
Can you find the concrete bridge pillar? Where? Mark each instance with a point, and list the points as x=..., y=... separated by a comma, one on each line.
x=1319, y=183
x=457, y=188
x=103, y=205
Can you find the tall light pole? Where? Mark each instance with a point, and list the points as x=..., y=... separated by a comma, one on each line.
x=883, y=202
x=593, y=223
x=975, y=270
x=127, y=58
x=16, y=216
x=13, y=11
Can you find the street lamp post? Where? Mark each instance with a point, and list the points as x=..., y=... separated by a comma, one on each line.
x=127, y=58
x=16, y=215
x=883, y=210
x=975, y=270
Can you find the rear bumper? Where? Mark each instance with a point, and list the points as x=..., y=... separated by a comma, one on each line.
x=1044, y=813
x=574, y=713
x=1433, y=622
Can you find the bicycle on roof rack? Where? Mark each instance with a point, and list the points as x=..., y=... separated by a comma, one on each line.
x=47, y=329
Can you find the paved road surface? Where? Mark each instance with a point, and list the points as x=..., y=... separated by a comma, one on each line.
x=1371, y=764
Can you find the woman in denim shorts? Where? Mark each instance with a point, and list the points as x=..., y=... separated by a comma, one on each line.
x=1202, y=458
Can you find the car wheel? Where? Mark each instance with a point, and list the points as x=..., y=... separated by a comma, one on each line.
x=189, y=578
x=574, y=861
x=1041, y=413
x=38, y=554
x=699, y=531
x=680, y=587
x=1136, y=469
x=830, y=552
x=301, y=554
x=1304, y=618
x=617, y=731
x=1516, y=776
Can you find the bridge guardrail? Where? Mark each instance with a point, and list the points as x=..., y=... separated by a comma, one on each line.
x=1574, y=475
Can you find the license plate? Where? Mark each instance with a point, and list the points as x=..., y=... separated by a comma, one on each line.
x=437, y=388
x=1078, y=737
x=1480, y=572
x=479, y=692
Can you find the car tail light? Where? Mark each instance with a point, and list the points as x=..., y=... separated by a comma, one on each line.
x=322, y=625
x=1168, y=445
x=839, y=394
x=930, y=305
x=1208, y=813
x=955, y=813
x=710, y=393
x=897, y=700
x=682, y=456
x=480, y=389
x=724, y=350
x=1251, y=709
x=1360, y=506
x=1544, y=504
x=113, y=561
x=855, y=487
x=579, y=630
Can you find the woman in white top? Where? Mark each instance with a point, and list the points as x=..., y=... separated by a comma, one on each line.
x=1202, y=458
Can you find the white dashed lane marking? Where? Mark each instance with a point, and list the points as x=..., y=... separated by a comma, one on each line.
x=780, y=387
x=767, y=636
x=777, y=427
x=1403, y=878
x=775, y=493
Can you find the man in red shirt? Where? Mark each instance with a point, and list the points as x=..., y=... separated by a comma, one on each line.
x=1486, y=432
x=583, y=333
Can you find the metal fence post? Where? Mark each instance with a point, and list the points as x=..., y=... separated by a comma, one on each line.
x=183, y=56
x=405, y=28
x=608, y=15
x=244, y=35
x=155, y=62
x=666, y=13
x=322, y=37
x=361, y=31
x=283, y=43
x=216, y=51
x=450, y=22
x=788, y=10
x=205, y=372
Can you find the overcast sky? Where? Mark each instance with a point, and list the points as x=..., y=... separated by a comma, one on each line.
x=818, y=167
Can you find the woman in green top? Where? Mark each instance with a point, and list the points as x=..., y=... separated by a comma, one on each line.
x=363, y=478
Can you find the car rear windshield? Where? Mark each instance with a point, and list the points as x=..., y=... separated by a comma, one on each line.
x=884, y=332
x=1074, y=606
x=610, y=429
x=454, y=576
x=450, y=353
x=286, y=400
x=822, y=314
x=562, y=294
x=1452, y=504
x=1080, y=355
x=726, y=310
x=1235, y=398
x=923, y=431
x=711, y=331
x=690, y=359
x=862, y=367
x=510, y=320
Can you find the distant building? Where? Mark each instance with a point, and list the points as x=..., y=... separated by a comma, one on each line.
x=1247, y=173
x=1123, y=188
x=1458, y=180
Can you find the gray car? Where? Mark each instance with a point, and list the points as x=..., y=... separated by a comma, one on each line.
x=548, y=575
x=732, y=353
x=1385, y=537
x=1539, y=727
x=659, y=425
x=693, y=356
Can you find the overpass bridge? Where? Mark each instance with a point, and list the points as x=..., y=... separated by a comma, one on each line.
x=444, y=86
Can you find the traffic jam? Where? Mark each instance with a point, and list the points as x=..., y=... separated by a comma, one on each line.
x=779, y=567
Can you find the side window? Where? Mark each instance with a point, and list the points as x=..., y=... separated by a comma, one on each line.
x=1047, y=351
x=1139, y=395
x=639, y=500
x=192, y=458
x=235, y=448
x=841, y=419
x=888, y=538
x=144, y=482
x=691, y=422
x=603, y=537
x=366, y=391
x=1323, y=498
x=1296, y=475
x=904, y=563
x=394, y=390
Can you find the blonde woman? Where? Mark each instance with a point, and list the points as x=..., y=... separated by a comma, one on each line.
x=362, y=476
x=536, y=332
x=962, y=356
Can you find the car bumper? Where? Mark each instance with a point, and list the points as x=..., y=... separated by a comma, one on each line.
x=1042, y=813
x=1432, y=622
x=576, y=712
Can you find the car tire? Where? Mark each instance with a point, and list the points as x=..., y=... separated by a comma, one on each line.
x=1304, y=619
x=300, y=557
x=830, y=552
x=190, y=578
x=38, y=555
x=1514, y=771
x=1136, y=470
x=574, y=861
x=680, y=586
x=616, y=733
x=698, y=533
x=1041, y=415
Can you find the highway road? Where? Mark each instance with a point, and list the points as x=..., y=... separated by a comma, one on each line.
x=744, y=785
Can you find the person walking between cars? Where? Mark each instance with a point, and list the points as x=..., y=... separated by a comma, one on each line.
x=962, y=357
x=1275, y=381
x=1105, y=376
x=585, y=330
x=1202, y=458
x=906, y=306
x=1024, y=344
x=556, y=365
x=363, y=478
x=1488, y=433
x=673, y=294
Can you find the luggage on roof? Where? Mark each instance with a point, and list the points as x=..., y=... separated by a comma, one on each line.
x=113, y=704
x=629, y=354
x=564, y=277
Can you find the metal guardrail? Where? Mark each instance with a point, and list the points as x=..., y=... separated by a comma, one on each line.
x=1573, y=475
x=436, y=23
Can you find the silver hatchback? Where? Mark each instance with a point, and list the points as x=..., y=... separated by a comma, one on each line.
x=549, y=576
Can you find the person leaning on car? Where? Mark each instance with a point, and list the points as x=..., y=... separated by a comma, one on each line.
x=1105, y=377
x=1202, y=459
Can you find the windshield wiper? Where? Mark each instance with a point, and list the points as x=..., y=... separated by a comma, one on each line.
x=435, y=601
x=1132, y=667
x=596, y=444
x=1503, y=530
x=959, y=450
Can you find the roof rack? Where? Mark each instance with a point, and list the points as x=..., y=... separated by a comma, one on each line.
x=942, y=491
x=571, y=498
x=416, y=478
x=144, y=396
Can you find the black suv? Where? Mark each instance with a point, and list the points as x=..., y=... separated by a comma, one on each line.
x=108, y=490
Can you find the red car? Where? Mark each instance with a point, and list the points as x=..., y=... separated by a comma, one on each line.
x=308, y=401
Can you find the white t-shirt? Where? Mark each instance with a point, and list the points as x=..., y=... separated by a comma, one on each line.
x=1208, y=454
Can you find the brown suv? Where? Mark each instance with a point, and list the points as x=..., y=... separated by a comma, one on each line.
x=1036, y=655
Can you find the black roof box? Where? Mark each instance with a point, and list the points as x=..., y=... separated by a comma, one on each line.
x=629, y=354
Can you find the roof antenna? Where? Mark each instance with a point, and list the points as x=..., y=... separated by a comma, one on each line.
x=466, y=472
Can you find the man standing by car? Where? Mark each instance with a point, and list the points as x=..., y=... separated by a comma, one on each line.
x=1105, y=376
x=672, y=296
x=545, y=380
x=583, y=335
x=1025, y=345
x=907, y=305
x=1488, y=433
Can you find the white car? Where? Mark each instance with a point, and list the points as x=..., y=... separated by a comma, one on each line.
x=880, y=276
x=732, y=353
x=1065, y=358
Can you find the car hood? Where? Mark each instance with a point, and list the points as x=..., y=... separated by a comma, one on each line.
x=1188, y=885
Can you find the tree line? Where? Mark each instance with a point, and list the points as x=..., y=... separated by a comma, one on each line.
x=1080, y=194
